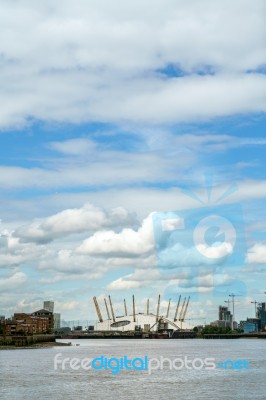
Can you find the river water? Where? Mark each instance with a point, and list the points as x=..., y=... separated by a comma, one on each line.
x=30, y=374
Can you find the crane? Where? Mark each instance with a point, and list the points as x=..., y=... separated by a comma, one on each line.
x=233, y=295
x=255, y=302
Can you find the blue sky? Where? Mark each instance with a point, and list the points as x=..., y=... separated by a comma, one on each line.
x=109, y=115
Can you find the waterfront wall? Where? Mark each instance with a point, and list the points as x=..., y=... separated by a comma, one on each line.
x=25, y=340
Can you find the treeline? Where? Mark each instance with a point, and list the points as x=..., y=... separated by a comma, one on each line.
x=209, y=329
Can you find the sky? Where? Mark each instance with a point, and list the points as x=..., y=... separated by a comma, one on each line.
x=113, y=113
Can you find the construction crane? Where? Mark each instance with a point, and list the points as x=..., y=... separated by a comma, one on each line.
x=233, y=295
x=255, y=302
x=98, y=311
x=195, y=319
x=228, y=303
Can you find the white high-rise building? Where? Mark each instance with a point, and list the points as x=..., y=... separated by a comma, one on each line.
x=49, y=306
x=57, y=321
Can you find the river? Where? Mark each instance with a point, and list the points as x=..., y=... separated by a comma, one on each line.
x=31, y=374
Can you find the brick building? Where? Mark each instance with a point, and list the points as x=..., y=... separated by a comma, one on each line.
x=25, y=324
x=31, y=323
x=9, y=327
x=45, y=314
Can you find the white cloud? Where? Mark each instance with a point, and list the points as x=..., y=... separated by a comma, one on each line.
x=13, y=253
x=67, y=222
x=127, y=243
x=106, y=168
x=67, y=306
x=257, y=254
x=89, y=60
x=188, y=281
x=146, y=277
x=141, y=200
x=161, y=157
x=66, y=264
x=77, y=146
x=121, y=284
x=13, y=281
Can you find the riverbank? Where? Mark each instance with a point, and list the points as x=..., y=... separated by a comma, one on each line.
x=41, y=345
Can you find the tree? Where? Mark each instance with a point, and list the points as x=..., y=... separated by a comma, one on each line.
x=212, y=330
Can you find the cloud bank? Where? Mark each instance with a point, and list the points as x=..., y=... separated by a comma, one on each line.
x=84, y=61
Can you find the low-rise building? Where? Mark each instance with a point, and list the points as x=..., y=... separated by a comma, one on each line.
x=248, y=326
x=255, y=321
x=221, y=323
x=32, y=324
x=25, y=324
x=9, y=327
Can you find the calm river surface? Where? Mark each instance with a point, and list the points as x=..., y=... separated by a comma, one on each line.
x=30, y=374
